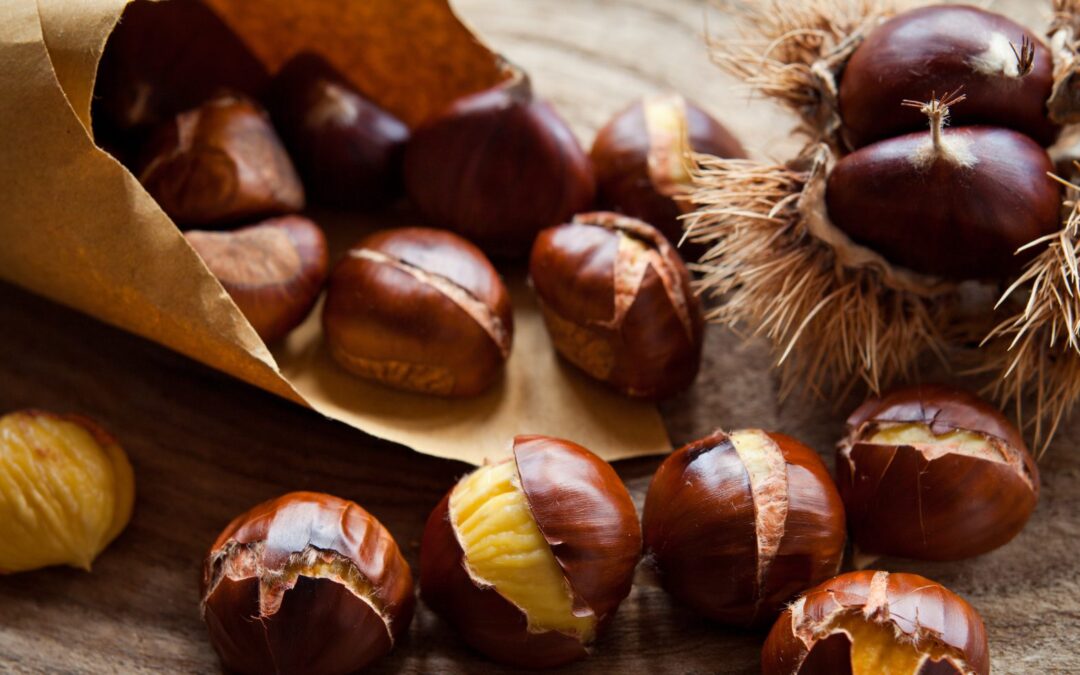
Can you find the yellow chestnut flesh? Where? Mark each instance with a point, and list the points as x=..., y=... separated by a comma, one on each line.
x=66, y=491
x=875, y=649
x=505, y=549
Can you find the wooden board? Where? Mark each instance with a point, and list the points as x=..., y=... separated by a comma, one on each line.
x=206, y=447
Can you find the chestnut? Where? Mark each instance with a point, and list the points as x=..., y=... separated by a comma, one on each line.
x=953, y=203
x=273, y=271
x=1005, y=70
x=164, y=58
x=871, y=622
x=305, y=583
x=617, y=302
x=497, y=167
x=530, y=557
x=348, y=150
x=934, y=473
x=641, y=158
x=421, y=310
x=220, y=163
x=737, y=524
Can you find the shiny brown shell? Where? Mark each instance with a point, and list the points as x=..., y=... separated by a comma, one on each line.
x=421, y=310
x=617, y=302
x=276, y=592
x=904, y=502
x=702, y=528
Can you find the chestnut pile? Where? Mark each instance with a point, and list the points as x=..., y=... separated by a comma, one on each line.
x=528, y=558
x=236, y=158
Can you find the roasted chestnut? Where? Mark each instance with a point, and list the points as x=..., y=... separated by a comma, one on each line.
x=934, y=473
x=617, y=302
x=1004, y=69
x=953, y=203
x=497, y=167
x=530, y=557
x=348, y=149
x=869, y=623
x=305, y=583
x=641, y=158
x=421, y=310
x=737, y=524
x=220, y=163
x=164, y=58
x=273, y=271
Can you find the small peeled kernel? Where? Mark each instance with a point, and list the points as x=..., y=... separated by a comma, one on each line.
x=956, y=441
x=877, y=649
x=504, y=548
x=66, y=491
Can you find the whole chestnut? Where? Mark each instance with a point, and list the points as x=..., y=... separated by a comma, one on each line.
x=868, y=622
x=421, y=310
x=348, y=149
x=220, y=163
x=738, y=524
x=641, y=158
x=934, y=473
x=161, y=59
x=305, y=583
x=617, y=302
x=953, y=203
x=1004, y=69
x=273, y=271
x=497, y=167
x=530, y=557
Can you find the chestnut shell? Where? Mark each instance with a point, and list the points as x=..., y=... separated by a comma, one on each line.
x=943, y=218
x=497, y=167
x=321, y=625
x=913, y=604
x=587, y=517
x=929, y=51
x=901, y=503
x=701, y=532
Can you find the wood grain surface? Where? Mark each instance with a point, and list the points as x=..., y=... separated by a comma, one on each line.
x=206, y=447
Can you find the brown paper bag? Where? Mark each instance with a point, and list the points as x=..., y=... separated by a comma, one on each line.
x=79, y=229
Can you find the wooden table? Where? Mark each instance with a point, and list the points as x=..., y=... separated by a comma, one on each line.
x=206, y=447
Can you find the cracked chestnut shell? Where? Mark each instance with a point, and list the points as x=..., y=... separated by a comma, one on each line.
x=348, y=150
x=641, y=158
x=529, y=558
x=220, y=163
x=738, y=524
x=954, y=203
x=164, y=58
x=421, y=310
x=1005, y=71
x=305, y=583
x=934, y=473
x=617, y=302
x=871, y=622
x=497, y=167
x=273, y=271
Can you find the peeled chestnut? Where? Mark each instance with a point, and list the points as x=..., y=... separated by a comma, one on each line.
x=164, y=58
x=934, y=473
x=641, y=158
x=348, y=149
x=737, y=524
x=273, y=271
x=497, y=167
x=305, y=583
x=530, y=557
x=421, y=310
x=1004, y=69
x=870, y=623
x=220, y=163
x=617, y=302
x=954, y=203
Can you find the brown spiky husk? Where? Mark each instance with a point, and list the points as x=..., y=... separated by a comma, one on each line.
x=835, y=313
x=793, y=51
